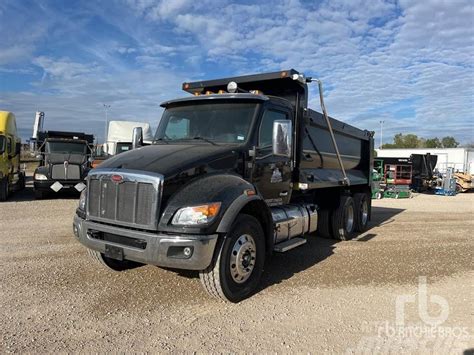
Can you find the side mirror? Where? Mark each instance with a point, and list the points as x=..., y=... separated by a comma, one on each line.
x=282, y=138
x=18, y=149
x=137, y=137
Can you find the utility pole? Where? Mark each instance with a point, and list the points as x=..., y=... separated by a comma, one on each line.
x=381, y=134
x=106, y=108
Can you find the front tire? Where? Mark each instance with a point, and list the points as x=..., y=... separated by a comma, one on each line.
x=235, y=273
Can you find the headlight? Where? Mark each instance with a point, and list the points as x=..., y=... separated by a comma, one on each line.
x=196, y=214
x=82, y=200
x=40, y=177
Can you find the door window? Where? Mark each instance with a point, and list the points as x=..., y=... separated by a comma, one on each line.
x=9, y=146
x=2, y=144
x=266, y=127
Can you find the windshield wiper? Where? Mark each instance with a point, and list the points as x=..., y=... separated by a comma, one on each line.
x=205, y=140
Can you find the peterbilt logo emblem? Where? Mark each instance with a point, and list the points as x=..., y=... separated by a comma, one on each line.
x=117, y=178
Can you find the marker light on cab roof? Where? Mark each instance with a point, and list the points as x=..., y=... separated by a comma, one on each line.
x=232, y=87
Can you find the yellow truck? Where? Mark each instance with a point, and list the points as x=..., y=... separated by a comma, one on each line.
x=11, y=177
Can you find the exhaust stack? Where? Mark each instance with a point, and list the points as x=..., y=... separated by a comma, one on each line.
x=38, y=126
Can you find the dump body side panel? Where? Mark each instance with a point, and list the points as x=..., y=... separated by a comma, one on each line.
x=318, y=165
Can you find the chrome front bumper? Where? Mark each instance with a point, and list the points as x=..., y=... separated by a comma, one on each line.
x=155, y=249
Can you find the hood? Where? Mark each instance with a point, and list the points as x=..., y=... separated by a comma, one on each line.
x=172, y=159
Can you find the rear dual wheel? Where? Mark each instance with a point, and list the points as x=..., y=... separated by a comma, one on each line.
x=343, y=219
x=362, y=210
x=324, y=223
x=352, y=215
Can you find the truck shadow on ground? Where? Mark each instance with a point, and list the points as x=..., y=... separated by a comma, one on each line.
x=284, y=266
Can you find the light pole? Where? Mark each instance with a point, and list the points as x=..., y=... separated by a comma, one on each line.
x=106, y=108
x=381, y=134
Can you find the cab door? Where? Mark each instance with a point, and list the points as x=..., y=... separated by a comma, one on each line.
x=271, y=174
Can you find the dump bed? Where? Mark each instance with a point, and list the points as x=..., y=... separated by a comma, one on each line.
x=42, y=136
x=318, y=164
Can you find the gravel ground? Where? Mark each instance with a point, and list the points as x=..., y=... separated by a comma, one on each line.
x=321, y=297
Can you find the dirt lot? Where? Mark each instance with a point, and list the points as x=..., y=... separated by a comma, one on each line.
x=324, y=296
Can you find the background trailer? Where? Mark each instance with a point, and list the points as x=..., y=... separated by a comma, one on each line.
x=461, y=159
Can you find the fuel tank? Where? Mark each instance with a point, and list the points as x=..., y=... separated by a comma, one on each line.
x=294, y=220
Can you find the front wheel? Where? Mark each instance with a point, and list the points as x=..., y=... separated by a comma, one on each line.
x=235, y=273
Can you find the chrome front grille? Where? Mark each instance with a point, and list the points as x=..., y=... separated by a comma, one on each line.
x=124, y=197
x=65, y=172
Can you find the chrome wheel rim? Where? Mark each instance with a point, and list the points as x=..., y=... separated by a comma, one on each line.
x=349, y=218
x=242, y=258
x=365, y=212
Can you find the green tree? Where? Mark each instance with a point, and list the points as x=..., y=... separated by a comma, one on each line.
x=449, y=142
x=407, y=141
x=433, y=143
x=413, y=141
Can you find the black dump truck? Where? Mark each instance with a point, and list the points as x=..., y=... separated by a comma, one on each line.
x=237, y=171
x=64, y=162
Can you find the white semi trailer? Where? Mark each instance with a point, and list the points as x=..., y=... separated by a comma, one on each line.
x=119, y=136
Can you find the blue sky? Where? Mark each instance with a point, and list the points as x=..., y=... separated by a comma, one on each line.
x=408, y=63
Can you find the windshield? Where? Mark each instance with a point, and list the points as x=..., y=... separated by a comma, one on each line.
x=2, y=144
x=216, y=122
x=66, y=147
